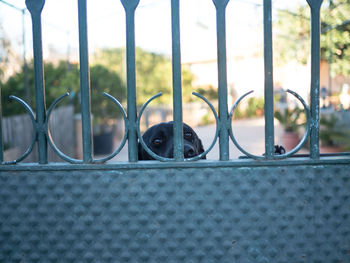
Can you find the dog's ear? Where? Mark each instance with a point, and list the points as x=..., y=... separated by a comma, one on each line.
x=201, y=148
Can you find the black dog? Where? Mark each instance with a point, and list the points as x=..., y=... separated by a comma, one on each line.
x=159, y=139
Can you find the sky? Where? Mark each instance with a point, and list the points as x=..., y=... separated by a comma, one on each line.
x=106, y=28
x=106, y=24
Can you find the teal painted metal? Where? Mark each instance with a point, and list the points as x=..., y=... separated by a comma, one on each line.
x=130, y=7
x=220, y=6
x=126, y=132
x=216, y=124
x=35, y=130
x=160, y=158
x=50, y=140
x=177, y=86
x=147, y=149
x=270, y=209
x=1, y=142
x=132, y=121
x=315, y=6
x=279, y=156
x=300, y=160
x=203, y=214
x=85, y=90
x=76, y=161
x=35, y=8
x=268, y=67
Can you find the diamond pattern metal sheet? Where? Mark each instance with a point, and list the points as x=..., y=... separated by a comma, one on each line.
x=275, y=214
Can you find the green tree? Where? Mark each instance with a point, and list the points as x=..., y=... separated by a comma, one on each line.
x=6, y=53
x=255, y=107
x=105, y=80
x=59, y=79
x=293, y=34
x=153, y=73
x=208, y=91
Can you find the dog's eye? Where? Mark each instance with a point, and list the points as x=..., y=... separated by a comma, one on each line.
x=188, y=135
x=157, y=141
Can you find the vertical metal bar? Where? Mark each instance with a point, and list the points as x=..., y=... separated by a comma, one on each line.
x=25, y=66
x=35, y=9
x=330, y=57
x=130, y=7
x=1, y=138
x=222, y=77
x=177, y=87
x=131, y=85
x=268, y=89
x=85, y=90
x=315, y=6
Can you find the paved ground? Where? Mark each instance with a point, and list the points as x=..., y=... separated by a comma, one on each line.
x=248, y=133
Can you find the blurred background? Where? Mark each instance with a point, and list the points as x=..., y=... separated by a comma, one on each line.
x=245, y=71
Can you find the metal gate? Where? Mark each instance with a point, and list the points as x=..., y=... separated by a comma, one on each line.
x=268, y=208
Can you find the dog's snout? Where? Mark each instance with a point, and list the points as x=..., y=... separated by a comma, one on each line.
x=189, y=151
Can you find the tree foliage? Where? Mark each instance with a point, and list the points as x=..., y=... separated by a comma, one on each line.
x=208, y=91
x=7, y=55
x=59, y=79
x=105, y=80
x=107, y=74
x=153, y=73
x=293, y=32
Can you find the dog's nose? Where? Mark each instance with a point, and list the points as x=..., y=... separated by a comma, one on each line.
x=189, y=151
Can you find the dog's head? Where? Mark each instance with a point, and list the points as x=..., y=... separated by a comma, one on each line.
x=160, y=140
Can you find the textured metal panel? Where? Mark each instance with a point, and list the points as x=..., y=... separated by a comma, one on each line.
x=261, y=214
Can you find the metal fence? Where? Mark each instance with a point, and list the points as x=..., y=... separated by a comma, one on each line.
x=63, y=132
x=246, y=210
x=132, y=134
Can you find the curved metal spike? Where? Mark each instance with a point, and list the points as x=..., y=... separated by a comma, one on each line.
x=48, y=133
x=281, y=156
x=308, y=127
x=122, y=144
x=148, y=150
x=56, y=101
x=160, y=158
x=26, y=106
x=231, y=132
x=146, y=104
x=35, y=130
x=216, y=131
x=238, y=101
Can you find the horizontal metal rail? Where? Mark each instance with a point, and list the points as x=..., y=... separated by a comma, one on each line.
x=132, y=134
